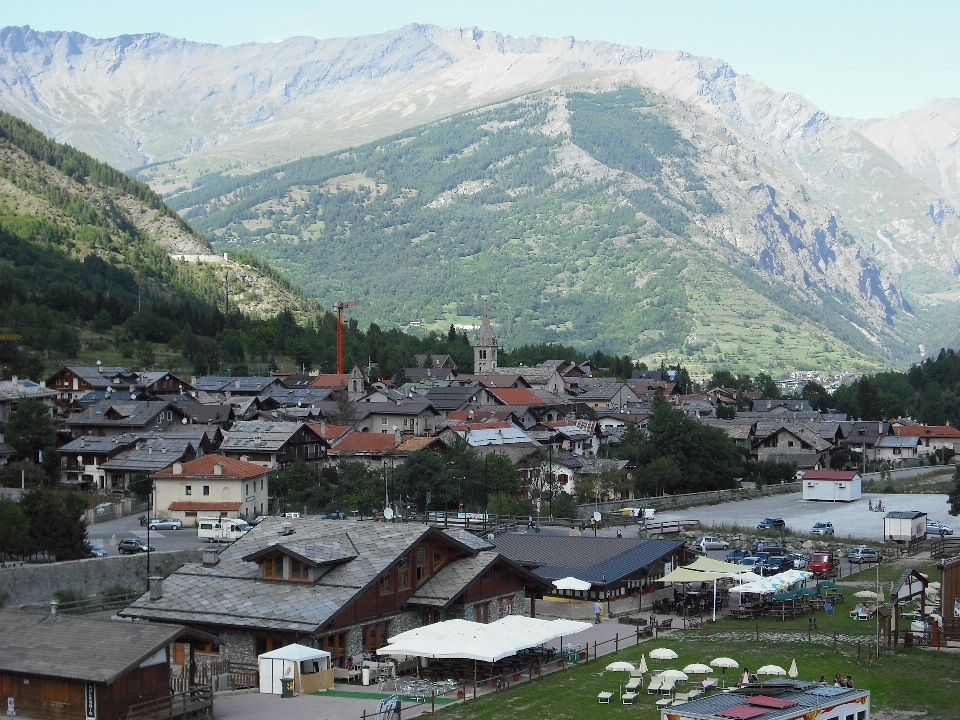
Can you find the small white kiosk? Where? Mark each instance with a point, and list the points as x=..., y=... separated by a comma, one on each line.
x=308, y=667
x=831, y=485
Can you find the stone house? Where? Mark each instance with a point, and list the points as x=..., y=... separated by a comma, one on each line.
x=273, y=444
x=344, y=587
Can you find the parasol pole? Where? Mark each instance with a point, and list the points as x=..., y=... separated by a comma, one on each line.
x=714, y=599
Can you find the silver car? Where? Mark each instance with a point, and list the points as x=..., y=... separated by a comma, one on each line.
x=165, y=523
x=709, y=542
x=799, y=560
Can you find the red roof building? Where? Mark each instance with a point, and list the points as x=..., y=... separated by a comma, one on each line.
x=211, y=485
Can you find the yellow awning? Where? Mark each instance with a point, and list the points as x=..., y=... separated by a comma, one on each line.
x=716, y=566
x=686, y=574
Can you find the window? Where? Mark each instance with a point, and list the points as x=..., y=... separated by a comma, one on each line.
x=57, y=691
x=508, y=605
x=421, y=564
x=247, y=491
x=298, y=570
x=386, y=583
x=404, y=422
x=266, y=644
x=160, y=418
x=383, y=421
x=188, y=489
x=169, y=414
x=403, y=574
x=375, y=636
x=862, y=715
x=483, y=612
x=336, y=645
x=206, y=489
x=273, y=567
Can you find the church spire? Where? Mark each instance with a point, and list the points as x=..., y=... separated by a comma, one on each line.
x=485, y=349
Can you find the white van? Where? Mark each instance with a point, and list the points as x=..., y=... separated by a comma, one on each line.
x=216, y=529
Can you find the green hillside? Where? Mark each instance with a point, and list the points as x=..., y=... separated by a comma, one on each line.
x=590, y=231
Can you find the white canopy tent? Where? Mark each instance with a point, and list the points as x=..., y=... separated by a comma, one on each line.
x=571, y=583
x=774, y=583
x=478, y=641
x=287, y=662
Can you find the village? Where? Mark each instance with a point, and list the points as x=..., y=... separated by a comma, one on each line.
x=335, y=594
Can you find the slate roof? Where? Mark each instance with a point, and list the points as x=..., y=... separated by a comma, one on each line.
x=789, y=405
x=150, y=455
x=511, y=435
x=408, y=407
x=451, y=398
x=602, y=391
x=586, y=558
x=240, y=385
x=229, y=595
x=299, y=397
x=10, y=390
x=447, y=585
x=897, y=441
x=110, y=413
x=258, y=435
x=736, y=428
x=95, y=445
x=77, y=648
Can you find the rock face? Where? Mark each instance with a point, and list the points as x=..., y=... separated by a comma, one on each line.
x=926, y=142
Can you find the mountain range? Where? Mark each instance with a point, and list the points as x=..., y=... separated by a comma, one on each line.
x=639, y=200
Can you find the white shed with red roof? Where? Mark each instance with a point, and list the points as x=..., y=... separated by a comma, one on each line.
x=831, y=485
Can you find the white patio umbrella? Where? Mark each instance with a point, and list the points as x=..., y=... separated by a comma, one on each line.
x=663, y=654
x=675, y=674
x=620, y=666
x=793, y=672
x=723, y=663
x=865, y=594
x=643, y=664
x=698, y=669
x=771, y=670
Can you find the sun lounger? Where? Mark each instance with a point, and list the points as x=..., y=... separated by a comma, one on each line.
x=665, y=702
x=636, y=673
x=667, y=687
x=628, y=697
x=694, y=694
x=681, y=697
x=604, y=697
x=655, y=684
x=634, y=684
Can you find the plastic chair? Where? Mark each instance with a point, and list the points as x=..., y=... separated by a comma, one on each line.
x=828, y=608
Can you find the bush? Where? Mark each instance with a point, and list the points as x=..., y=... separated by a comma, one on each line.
x=69, y=596
x=118, y=589
x=564, y=506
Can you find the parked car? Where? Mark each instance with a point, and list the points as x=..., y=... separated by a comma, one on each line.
x=799, y=560
x=934, y=527
x=777, y=564
x=165, y=523
x=771, y=524
x=97, y=551
x=735, y=556
x=753, y=564
x=863, y=554
x=770, y=546
x=257, y=520
x=709, y=542
x=334, y=516
x=134, y=545
x=822, y=528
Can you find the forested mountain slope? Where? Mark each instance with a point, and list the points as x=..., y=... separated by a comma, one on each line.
x=601, y=215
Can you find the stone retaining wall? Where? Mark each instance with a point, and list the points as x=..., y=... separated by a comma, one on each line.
x=29, y=584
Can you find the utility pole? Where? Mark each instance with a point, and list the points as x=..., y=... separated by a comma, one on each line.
x=226, y=294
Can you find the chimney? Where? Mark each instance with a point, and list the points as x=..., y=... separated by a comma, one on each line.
x=149, y=449
x=156, y=588
x=218, y=468
x=14, y=379
x=236, y=383
x=397, y=438
x=880, y=427
x=54, y=605
x=178, y=468
x=211, y=556
x=286, y=528
x=81, y=441
x=193, y=379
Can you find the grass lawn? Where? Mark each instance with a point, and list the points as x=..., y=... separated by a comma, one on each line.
x=909, y=680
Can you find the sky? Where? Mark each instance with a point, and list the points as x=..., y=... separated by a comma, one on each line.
x=855, y=58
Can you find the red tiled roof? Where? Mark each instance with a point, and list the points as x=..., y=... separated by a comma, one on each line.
x=203, y=467
x=330, y=432
x=830, y=475
x=330, y=381
x=516, y=396
x=940, y=431
x=199, y=506
x=366, y=442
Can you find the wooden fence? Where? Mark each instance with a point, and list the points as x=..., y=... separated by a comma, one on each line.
x=176, y=706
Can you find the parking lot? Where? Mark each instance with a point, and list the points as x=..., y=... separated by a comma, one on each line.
x=108, y=534
x=851, y=520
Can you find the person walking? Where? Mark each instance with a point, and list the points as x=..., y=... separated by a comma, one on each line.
x=596, y=611
x=620, y=532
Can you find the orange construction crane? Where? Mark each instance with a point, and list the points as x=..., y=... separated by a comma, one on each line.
x=340, y=307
